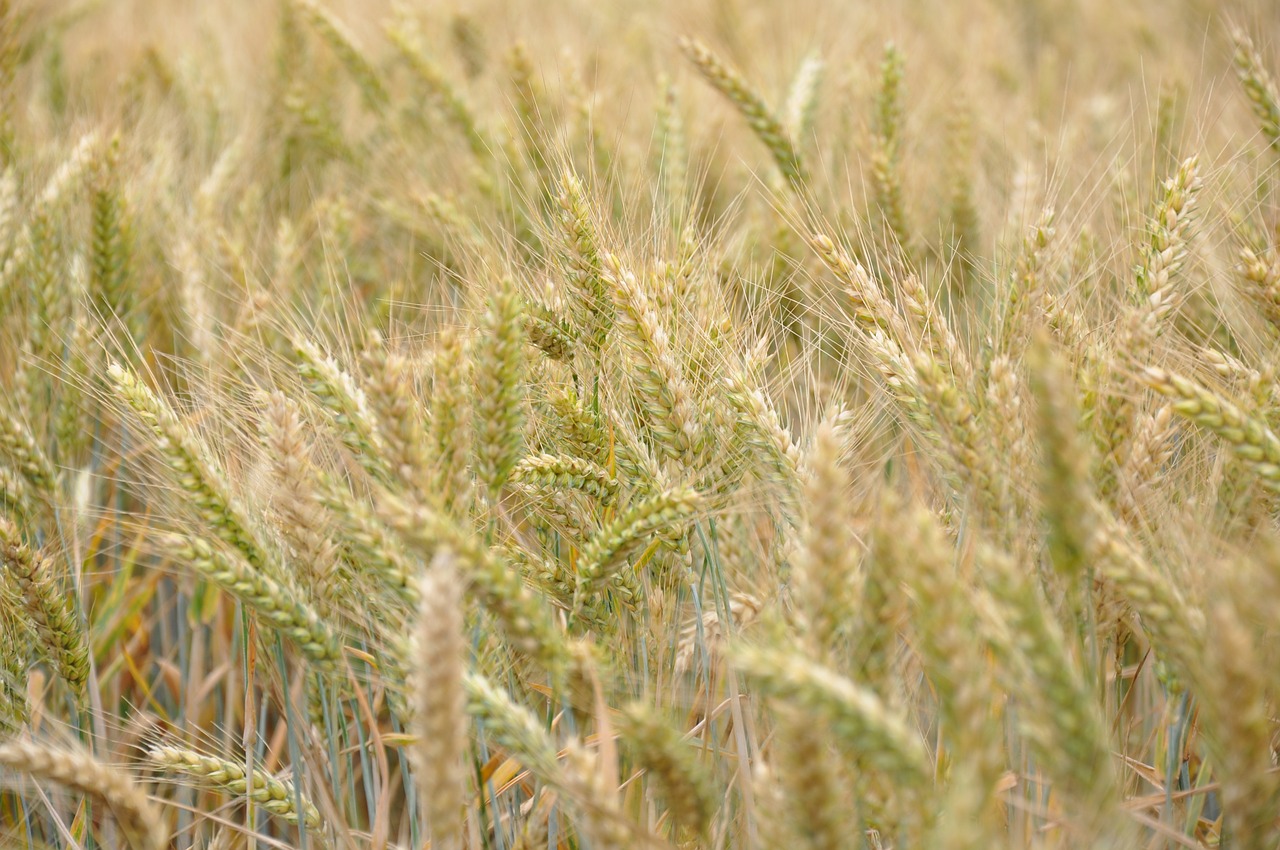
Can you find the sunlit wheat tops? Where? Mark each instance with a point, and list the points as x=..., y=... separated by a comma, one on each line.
x=730, y=426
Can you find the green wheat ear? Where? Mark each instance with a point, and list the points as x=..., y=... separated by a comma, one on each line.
x=1259, y=85
x=762, y=120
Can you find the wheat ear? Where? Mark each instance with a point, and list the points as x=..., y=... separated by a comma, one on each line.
x=439, y=699
x=277, y=796
x=49, y=608
x=192, y=468
x=273, y=602
x=762, y=120
x=78, y=770
x=1259, y=85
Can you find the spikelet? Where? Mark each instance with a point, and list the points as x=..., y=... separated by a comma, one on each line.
x=554, y=336
x=110, y=251
x=14, y=711
x=802, y=99
x=1165, y=252
x=763, y=122
x=593, y=309
x=15, y=497
x=964, y=438
x=42, y=253
x=886, y=151
x=278, y=797
x=563, y=472
x=673, y=150
x=1176, y=627
x=19, y=445
x=1261, y=270
x=449, y=429
x=390, y=393
x=1149, y=451
x=1248, y=437
x=302, y=520
x=515, y=728
x=77, y=770
x=1155, y=300
x=581, y=431
x=370, y=548
x=760, y=427
x=1026, y=285
x=1005, y=405
x=1065, y=492
x=48, y=608
x=933, y=327
x=872, y=310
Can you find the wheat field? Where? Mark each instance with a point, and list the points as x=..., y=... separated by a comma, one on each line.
x=730, y=424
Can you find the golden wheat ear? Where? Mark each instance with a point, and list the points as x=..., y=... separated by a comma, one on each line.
x=143, y=824
x=439, y=701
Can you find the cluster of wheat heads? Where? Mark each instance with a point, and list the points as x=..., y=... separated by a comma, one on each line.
x=715, y=425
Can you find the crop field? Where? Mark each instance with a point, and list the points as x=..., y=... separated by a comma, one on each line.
x=707, y=425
